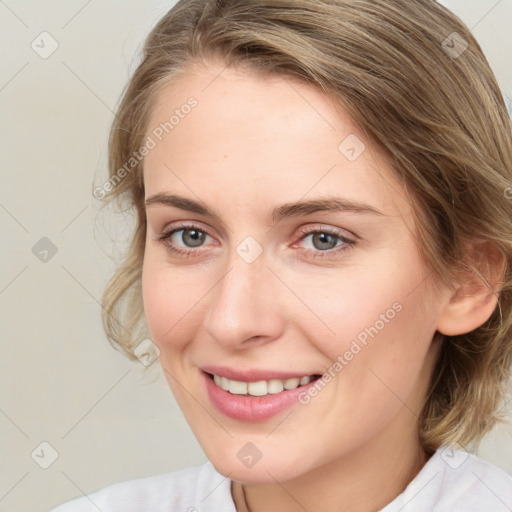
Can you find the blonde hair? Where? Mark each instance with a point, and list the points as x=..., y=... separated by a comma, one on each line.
x=402, y=71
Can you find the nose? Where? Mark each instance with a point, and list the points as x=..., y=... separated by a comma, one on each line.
x=244, y=306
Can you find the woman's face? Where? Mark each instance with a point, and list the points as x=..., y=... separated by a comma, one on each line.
x=292, y=256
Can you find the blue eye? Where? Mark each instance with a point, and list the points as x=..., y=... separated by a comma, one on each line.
x=191, y=237
x=321, y=243
x=325, y=243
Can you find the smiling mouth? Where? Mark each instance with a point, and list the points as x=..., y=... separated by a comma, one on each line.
x=261, y=387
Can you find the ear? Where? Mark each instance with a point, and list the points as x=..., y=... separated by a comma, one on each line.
x=475, y=296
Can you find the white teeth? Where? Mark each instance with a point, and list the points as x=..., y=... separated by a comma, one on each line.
x=275, y=386
x=237, y=388
x=261, y=387
x=257, y=388
x=224, y=383
x=291, y=383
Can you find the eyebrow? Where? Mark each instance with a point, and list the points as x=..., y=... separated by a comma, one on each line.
x=326, y=205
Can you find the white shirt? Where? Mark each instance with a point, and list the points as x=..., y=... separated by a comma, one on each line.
x=451, y=481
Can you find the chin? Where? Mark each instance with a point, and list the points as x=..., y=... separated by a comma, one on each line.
x=258, y=474
x=265, y=471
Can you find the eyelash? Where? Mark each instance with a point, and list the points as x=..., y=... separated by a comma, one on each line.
x=347, y=242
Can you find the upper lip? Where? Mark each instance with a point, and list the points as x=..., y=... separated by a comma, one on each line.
x=253, y=374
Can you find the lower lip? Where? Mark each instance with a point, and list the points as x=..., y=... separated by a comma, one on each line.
x=251, y=408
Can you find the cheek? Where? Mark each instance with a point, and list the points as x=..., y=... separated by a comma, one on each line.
x=171, y=299
x=351, y=308
x=380, y=319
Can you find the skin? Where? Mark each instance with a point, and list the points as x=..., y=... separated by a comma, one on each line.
x=250, y=145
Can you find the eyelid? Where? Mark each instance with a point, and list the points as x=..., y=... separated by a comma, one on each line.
x=349, y=240
x=187, y=223
x=303, y=230
x=322, y=228
x=169, y=231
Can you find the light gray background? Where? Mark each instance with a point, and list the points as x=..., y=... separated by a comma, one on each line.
x=61, y=382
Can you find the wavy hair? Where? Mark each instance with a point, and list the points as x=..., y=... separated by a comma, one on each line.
x=416, y=81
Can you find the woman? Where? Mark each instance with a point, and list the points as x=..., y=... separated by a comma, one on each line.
x=322, y=255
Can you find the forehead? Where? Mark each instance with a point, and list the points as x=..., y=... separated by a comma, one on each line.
x=269, y=138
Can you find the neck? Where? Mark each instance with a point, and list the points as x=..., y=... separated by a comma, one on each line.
x=365, y=480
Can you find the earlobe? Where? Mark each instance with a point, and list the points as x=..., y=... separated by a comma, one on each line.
x=476, y=295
